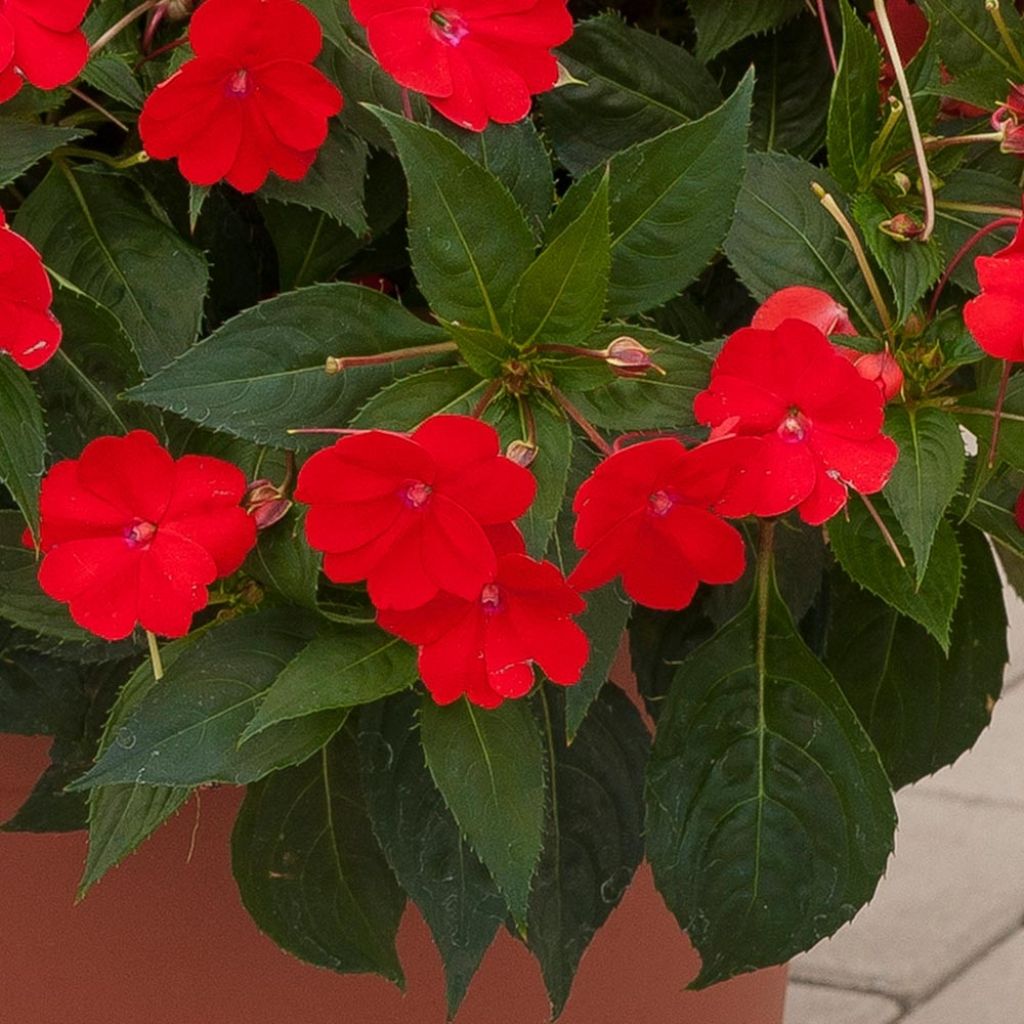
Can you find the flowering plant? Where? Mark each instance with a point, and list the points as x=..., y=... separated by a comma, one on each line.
x=371, y=372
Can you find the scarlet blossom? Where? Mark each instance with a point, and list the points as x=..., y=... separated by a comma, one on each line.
x=880, y=367
x=816, y=420
x=474, y=60
x=1007, y=119
x=995, y=318
x=486, y=647
x=644, y=514
x=250, y=102
x=29, y=332
x=407, y=513
x=811, y=305
x=40, y=41
x=132, y=536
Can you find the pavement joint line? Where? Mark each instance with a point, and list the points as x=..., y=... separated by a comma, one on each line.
x=969, y=801
x=901, y=1001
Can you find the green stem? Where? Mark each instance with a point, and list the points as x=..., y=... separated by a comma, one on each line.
x=765, y=557
x=992, y=6
x=154, y=656
x=115, y=30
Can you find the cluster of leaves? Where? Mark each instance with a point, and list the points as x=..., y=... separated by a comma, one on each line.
x=766, y=797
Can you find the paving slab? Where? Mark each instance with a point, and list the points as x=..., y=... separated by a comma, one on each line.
x=814, y=1004
x=954, y=888
x=990, y=992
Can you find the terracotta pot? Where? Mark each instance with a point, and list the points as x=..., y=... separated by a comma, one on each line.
x=165, y=940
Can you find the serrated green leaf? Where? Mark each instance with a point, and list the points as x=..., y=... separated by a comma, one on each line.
x=439, y=871
x=593, y=841
x=341, y=667
x=93, y=229
x=24, y=143
x=560, y=299
x=262, y=373
x=112, y=74
x=862, y=551
x=720, y=25
x=468, y=239
x=284, y=562
x=927, y=475
x=777, y=213
x=22, y=439
x=310, y=871
x=482, y=350
x=671, y=202
x=637, y=85
x=488, y=765
x=981, y=422
x=922, y=709
x=769, y=815
x=186, y=731
x=408, y=402
x=853, y=115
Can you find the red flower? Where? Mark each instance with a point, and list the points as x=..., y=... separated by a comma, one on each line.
x=29, y=332
x=474, y=60
x=485, y=647
x=816, y=420
x=811, y=305
x=407, y=513
x=40, y=40
x=880, y=367
x=250, y=102
x=996, y=317
x=645, y=514
x=131, y=535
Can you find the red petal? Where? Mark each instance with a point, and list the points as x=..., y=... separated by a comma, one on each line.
x=400, y=578
x=31, y=336
x=610, y=554
x=827, y=498
x=173, y=576
x=658, y=577
x=455, y=550
x=209, y=156
x=69, y=512
x=712, y=548
x=455, y=442
x=226, y=534
x=996, y=323
x=296, y=100
x=512, y=682
x=546, y=23
x=425, y=624
x=348, y=527
x=23, y=278
x=504, y=93
x=47, y=58
x=409, y=51
x=133, y=473
x=255, y=30
x=454, y=663
x=59, y=15
x=811, y=305
x=774, y=478
x=466, y=105
x=865, y=465
x=6, y=43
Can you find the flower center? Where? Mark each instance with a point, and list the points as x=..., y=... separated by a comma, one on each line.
x=449, y=26
x=239, y=84
x=794, y=428
x=660, y=503
x=490, y=598
x=140, y=534
x=416, y=494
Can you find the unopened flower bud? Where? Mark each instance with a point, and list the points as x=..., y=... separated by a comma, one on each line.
x=177, y=10
x=628, y=358
x=902, y=182
x=522, y=453
x=266, y=503
x=902, y=227
x=883, y=369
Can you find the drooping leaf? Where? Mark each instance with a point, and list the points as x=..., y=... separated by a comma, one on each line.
x=310, y=871
x=637, y=85
x=721, y=25
x=22, y=439
x=439, y=871
x=769, y=815
x=927, y=475
x=94, y=230
x=489, y=768
x=24, y=143
x=262, y=373
x=922, y=708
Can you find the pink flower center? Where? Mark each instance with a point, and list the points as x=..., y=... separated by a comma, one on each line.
x=660, y=503
x=449, y=26
x=794, y=428
x=416, y=494
x=239, y=84
x=490, y=598
x=140, y=534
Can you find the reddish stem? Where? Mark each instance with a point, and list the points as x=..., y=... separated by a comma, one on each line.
x=583, y=423
x=485, y=399
x=1002, y=222
x=826, y=31
x=1004, y=383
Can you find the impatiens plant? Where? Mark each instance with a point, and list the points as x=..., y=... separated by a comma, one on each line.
x=373, y=373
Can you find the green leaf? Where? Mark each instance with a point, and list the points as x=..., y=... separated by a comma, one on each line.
x=262, y=373
x=720, y=25
x=468, y=239
x=769, y=815
x=335, y=184
x=309, y=870
x=408, y=402
x=482, y=350
x=22, y=440
x=284, y=562
x=637, y=85
x=854, y=111
x=112, y=74
x=1011, y=425
x=671, y=202
x=561, y=297
x=186, y=731
x=488, y=765
x=439, y=871
x=341, y=668
x=862, y=551
x=93, y=229
x=921, y=708
x=927, y=475
x=777, y=213
x=39, y=695
x=24, y=143
x=911, y=267
x=593, y=840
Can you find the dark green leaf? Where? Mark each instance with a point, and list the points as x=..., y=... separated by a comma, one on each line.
x=284, y=562
x=489, y=767
x=112, y=74
x=439, y=871
x=593, y=838
x=408, y=402
x=637, y=85
x=22, y=439
x=94, y=230
x=25, y=143
x=769, y=815
x=720, y=25
x=39, y=695
x=1011, y=426
x=309, y=869
x=262, y=373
